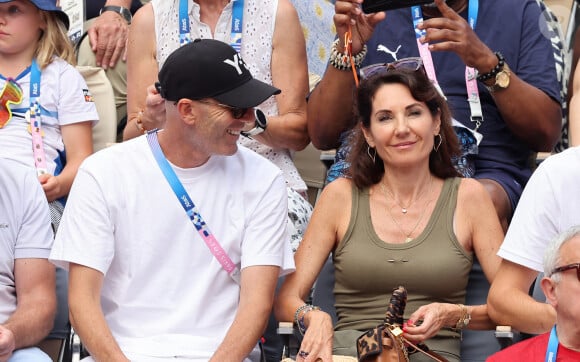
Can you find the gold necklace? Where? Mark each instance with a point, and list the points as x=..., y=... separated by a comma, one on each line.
x=405, y=209
x=407, y=236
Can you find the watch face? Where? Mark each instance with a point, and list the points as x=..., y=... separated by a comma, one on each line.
x=502, y=79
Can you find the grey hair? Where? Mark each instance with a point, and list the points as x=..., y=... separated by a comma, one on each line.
x=552, y=254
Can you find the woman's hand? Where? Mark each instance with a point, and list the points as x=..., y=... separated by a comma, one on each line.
x=317, y=341
x=432, y=318
x=349, y=16
x=154, y=112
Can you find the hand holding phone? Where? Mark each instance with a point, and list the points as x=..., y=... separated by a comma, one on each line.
x=373, y=6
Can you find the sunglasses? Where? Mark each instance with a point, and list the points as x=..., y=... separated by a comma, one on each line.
x=568, y=267
x=236, y=112
x=413, y=64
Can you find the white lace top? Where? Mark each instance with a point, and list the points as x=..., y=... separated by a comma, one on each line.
x=258, y=30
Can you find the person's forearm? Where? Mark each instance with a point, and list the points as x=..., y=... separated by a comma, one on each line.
x=89, y=323
x=330, y=108
x=480, y=319
x=530, y=114
x=287, y=131
x=244, y=333
x=31, y=325
x=520, y=311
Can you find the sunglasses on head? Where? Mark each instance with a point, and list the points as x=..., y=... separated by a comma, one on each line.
x=414, y=64
x=236, y=112
x=568, y=267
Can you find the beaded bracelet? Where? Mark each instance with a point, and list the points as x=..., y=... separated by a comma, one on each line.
x=341, y=61
x=492, y=73
x=299, y=316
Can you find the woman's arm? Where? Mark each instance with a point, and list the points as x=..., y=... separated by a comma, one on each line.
x=477, y=228
x=78, y=143
x=142, y=70
x=327, y=225
x=290, y=74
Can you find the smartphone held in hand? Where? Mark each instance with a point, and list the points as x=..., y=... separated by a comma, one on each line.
x=373, y=6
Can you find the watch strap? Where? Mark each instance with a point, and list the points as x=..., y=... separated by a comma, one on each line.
x=124, y=12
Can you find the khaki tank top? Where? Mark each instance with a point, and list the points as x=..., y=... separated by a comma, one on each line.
x=433, y=267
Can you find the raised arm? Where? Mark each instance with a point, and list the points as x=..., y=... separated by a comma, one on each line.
x=87, y=316
x=529, y=112
x=258, y=284
x=143, y=102
x=290, y=74
x=330, y=109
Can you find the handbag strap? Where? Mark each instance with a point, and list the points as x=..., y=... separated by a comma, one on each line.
x=425, y=350
x=190, y=208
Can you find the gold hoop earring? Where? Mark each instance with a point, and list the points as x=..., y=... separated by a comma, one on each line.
x=437, y=143
x=373, y=156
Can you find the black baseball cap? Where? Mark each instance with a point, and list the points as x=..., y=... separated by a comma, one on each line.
x=48, y=5
x=208, y=68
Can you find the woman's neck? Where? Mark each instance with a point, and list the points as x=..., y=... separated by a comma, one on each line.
x=407, y=187
x=210, y=12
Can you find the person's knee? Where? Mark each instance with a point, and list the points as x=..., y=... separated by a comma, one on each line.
x=500, y=199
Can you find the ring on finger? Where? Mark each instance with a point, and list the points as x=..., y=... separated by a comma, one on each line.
x=303, y=354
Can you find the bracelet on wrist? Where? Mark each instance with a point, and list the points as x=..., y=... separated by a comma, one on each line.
x=464, y=318
x=341, y=60
x=492, y=73
x=299, y=316
x=139, y=123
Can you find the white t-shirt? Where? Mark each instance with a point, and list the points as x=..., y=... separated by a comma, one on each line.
x=64, y=99
x=164, y=293
x=550, y=204
x=259, y=20
x=25, y=230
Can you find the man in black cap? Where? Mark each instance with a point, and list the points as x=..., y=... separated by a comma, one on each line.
x=175, y=240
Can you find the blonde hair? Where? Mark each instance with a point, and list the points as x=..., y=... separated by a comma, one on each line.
x=54, y=41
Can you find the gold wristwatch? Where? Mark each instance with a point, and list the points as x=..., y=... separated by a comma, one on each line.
x=502, y=79
x=500, y=75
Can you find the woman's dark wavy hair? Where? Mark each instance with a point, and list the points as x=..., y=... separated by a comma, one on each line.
x=363, y=171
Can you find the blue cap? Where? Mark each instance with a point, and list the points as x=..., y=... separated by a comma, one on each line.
x=48, y=5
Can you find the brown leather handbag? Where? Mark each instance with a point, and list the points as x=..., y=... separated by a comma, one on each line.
x=385, y=342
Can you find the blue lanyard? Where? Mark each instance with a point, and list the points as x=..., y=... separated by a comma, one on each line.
x=236, y=30
x=552, y=351
x=190, y=209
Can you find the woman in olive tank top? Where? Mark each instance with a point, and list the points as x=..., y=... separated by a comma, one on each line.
x=403, y=217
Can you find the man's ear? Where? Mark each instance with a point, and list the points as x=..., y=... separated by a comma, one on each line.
x=549, y=289
x=187, y=110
